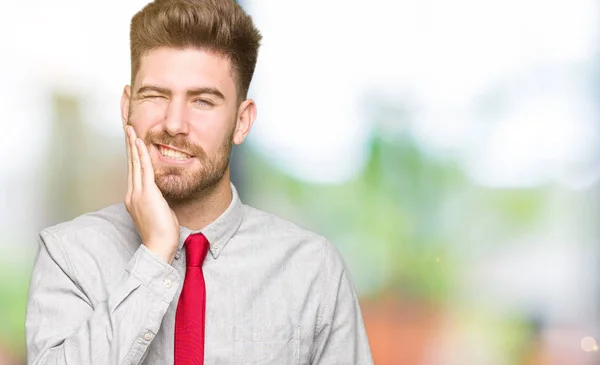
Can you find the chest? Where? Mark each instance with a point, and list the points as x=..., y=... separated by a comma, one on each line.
x=255, y=314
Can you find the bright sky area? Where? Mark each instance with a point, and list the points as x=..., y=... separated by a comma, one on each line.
x=319, y=58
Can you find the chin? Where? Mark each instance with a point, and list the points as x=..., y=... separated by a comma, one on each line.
x=183, y=184
x=173, y=188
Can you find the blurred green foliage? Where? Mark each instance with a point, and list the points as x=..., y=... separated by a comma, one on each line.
x=15, y=271
x=404, y=224
x=398, y=221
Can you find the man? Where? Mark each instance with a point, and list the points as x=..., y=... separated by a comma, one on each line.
x=183, y=272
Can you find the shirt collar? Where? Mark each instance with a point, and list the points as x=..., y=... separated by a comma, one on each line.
x=220, y=231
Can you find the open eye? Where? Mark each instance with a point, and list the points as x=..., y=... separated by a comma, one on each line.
x=203, y=103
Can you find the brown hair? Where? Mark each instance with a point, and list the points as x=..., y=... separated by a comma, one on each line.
x=220, y=26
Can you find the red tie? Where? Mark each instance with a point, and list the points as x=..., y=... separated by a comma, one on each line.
x=191, y=308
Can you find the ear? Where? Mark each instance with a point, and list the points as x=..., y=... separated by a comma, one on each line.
x=125, y=100
x=245, y=120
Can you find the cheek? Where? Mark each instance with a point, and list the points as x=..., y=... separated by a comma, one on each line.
x=145, y=117
x=211, y=137
x=212, y=125
x=148, y=113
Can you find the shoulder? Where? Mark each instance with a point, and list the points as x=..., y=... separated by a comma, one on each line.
x=102, y=222
x=93, y=233
x=272, y=226
x=279, y=231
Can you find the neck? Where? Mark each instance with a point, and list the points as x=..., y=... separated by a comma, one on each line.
x=201, y=211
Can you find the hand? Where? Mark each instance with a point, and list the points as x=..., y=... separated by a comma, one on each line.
x=156, y=222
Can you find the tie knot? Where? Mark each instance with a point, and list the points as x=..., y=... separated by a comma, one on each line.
x=196, y=248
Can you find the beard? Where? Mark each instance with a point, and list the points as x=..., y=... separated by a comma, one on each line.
x=181, y=184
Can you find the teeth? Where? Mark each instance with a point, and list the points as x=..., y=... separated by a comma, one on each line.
x=172, y=154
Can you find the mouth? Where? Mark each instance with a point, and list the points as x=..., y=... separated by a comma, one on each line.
x=172, y=154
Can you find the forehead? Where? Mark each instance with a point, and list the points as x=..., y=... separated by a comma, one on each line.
x=184, y=69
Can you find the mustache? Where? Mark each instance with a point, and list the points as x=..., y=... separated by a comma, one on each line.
x=180, y=142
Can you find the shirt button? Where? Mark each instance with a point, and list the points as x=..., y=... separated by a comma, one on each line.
x=177, y=255
x=148, y=336
x=168, y=283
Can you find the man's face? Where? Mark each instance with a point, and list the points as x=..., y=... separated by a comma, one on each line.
x=184, y=105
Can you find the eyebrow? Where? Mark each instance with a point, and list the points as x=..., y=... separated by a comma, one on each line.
x=192, y=92
x=206, y=90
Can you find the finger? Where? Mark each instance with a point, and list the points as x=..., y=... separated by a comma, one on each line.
x=129, y=164
x=135, y=157
x=146, y=164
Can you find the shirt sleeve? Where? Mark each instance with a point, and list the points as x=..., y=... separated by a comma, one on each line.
x=63, y=326
x=340, y=336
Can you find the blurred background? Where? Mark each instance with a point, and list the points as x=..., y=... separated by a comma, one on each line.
x=450, y=150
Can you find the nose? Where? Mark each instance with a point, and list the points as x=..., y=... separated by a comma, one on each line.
x=176, y=119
